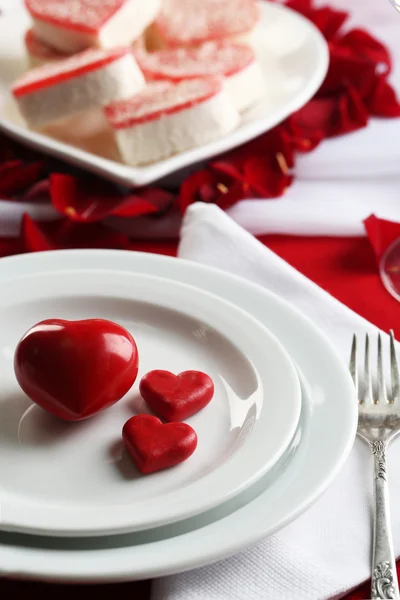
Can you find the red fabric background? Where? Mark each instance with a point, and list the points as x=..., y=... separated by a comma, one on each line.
x=346, y=268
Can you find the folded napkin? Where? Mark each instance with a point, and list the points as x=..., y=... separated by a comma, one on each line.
x=325, y=552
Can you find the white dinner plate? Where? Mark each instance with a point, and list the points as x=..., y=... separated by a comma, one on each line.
x=293, y=55
x=63, y=478
x=289, y=489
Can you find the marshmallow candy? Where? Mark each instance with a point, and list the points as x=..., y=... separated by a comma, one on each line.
x=74, y=25
x=39, y=53
x=244, y=80
x=192, y=22
x=91, y=78
x=166, y=118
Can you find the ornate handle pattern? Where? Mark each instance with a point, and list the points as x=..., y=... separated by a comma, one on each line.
x=384, y=577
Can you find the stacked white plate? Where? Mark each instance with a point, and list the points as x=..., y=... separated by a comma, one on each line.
x=73, y=506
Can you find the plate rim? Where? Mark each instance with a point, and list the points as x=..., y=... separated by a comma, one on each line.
x=251, y=532
x=195, y=494
x=139, y=176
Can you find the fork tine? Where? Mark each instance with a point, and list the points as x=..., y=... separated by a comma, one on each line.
x=353, y=363
x=367, y=373
x=382, y=396
x=394, y=367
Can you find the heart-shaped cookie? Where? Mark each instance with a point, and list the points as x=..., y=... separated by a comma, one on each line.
x=154, y=445
x=74, y=369
x=176, y=397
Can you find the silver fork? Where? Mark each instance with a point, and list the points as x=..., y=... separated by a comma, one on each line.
x=378, y=424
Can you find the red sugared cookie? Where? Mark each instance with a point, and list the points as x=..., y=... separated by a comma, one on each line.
x=192, y=22
x=244, y=79
x=154, y=446
x=165, y=119
x=91, y=78
x=74, y=25
x=74, y=369
x=38, y=52
x=176, y=397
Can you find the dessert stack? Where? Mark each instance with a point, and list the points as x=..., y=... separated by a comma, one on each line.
x=169, y=75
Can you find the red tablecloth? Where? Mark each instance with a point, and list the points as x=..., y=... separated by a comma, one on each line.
x=346, y=268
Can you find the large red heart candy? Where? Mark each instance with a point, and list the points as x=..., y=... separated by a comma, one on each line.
x=74, y=369
x=176, y=397
x=154, y=446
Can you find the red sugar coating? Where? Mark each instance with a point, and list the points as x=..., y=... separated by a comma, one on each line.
x=189, y=22
x=37, y=48
x=68, y=68
x=159, y=99
x=82, y=15
x=210, y=58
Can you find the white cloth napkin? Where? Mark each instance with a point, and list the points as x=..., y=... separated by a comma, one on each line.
x=325, y=552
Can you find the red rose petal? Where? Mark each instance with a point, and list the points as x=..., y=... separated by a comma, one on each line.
x=381, y=234
x=269, y=144
x=95, y=200
x=33, y=237
x=10, y=246
x=198, y=187
x=225, y=168
x=214, y=185
x=333, y=115
x=267, y=176
x=38, y=192
x=238, y=190
x=68, y=234
x=363, y=45
x=261, y=168
x=16, y=176
x=382, y=100
x=351, y=114
x=133, y=206
x=163, y=200
x=328, y=20
x=302, y=139
x=345, y=70
x=301, y=6
x=316, y=115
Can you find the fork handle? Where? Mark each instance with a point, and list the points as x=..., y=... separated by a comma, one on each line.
x=384, y=578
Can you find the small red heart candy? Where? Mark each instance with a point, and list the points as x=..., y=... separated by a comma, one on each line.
x=176, y=397
x=74, y=369
x=154, y=445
